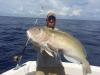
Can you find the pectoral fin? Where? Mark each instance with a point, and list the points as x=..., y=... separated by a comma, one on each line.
x=71, y=59
x=47, y=50
x=49, y=53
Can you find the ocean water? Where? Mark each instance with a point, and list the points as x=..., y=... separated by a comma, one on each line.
x=13, y=38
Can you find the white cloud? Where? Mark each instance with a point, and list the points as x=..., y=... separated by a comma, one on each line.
x=64, y=11
x=76, y=12
x=30, y=8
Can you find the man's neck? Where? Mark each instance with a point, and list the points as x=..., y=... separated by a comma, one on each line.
x=50, y=27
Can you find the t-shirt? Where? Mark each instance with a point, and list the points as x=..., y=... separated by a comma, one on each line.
x=45, y=60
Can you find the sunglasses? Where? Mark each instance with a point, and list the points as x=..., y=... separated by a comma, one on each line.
x=51, y=18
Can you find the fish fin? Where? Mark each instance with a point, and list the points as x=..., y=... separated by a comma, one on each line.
x=86, y=68
x=85, y=52
x=53, y=49
x=42, y=49
x=71, y=59
x=49, y=53
x=47, y=50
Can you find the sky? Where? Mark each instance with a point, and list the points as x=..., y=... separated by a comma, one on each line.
x=70, y=9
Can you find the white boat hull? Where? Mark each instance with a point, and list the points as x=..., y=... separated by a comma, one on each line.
x=29, y=68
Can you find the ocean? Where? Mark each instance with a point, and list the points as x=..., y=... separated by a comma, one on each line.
x=13, y=38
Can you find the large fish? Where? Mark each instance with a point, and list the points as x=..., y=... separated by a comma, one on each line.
x=55, y=40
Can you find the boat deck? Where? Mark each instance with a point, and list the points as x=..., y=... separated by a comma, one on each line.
x=29, y=68
x=31, y=73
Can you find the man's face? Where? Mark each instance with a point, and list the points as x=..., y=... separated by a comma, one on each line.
x=51, y=22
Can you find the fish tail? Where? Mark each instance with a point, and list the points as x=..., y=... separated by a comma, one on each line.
x=86, y=68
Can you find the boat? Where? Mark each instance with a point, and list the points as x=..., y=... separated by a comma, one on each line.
x=29, y=68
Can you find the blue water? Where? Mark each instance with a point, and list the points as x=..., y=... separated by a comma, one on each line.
x=13, y=38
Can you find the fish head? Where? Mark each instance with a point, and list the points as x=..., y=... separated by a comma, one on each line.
x=34, y=33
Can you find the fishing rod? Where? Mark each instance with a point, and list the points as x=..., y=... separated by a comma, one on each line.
x=18, y=58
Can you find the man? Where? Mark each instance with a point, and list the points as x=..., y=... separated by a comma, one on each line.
x=51, y=20
x=47, y=65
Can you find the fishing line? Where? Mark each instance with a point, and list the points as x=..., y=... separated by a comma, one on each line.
x=37, y=18
x=18, y=58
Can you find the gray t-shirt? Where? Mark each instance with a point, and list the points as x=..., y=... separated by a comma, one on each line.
x=44, y=60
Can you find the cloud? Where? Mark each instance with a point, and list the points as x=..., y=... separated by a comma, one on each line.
x=76, y=12
x=71, y=8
